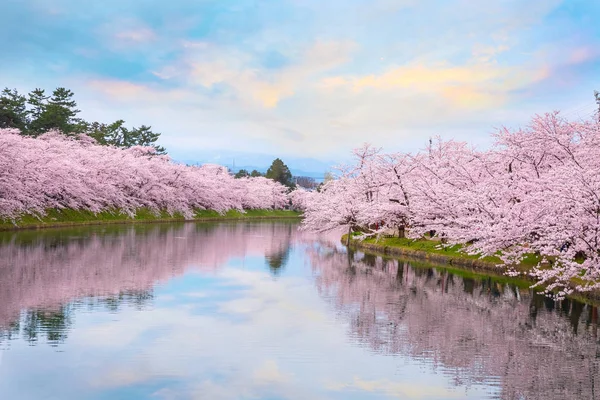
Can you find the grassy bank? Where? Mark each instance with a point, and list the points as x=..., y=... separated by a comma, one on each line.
x=423, y=250
x=68, y=217
x=432, y=250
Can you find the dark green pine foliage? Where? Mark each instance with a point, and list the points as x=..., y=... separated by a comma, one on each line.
x=143, y=136
x=36, y=100
x=58, y=112
x=107, y=134
x=242, y=173
x=13, y=110
x=40, y=112
x=280, y=172
x=116, y=134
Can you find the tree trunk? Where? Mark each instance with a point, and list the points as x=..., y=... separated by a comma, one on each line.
x=348, y=237
x=401, y=231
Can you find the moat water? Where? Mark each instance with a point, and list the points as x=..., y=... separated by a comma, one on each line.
x=261, y=310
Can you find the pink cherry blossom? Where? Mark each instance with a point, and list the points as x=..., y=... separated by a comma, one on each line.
x=537, y=190
x=57, y=172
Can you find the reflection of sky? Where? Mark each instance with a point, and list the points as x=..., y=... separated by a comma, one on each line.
x=238, y=333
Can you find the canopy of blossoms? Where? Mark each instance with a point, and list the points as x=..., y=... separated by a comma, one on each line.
x=537, y=190
x=57, y=172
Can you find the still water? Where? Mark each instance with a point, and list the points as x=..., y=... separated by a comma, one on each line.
x=262, y=311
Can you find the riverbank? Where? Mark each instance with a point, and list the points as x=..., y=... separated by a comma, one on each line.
x=424, y=250
x=69, y=217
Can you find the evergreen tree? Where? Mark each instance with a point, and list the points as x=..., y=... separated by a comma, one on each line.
x=116, y=134
x=280, y=172
x=108, y=134
x=56, y=112
x=13, y=110
x=242, y=173
x=37, y=101
x=143, y=136
x=39, y=113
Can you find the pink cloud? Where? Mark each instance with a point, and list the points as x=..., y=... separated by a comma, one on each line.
x=582, y=55
x=140, y=35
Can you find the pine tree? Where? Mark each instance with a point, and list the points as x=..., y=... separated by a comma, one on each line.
x=242, y=173
x=56, y=112
x=37, y=101
x=13, y=110
x=143, y=136
x=280, y=172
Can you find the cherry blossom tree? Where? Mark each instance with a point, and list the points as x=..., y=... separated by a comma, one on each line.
x=557, y=168
x=54, y=171
x=536, y=191
x=352, y=201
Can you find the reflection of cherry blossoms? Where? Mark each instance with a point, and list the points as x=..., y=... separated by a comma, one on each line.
x=476, y=330
x=43, y=271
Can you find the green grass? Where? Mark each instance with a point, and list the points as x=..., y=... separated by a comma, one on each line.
x=429, y=246
x=234, y=214
x=451, y=254
x=435, y=247
x=485, y=267
x=69, y=217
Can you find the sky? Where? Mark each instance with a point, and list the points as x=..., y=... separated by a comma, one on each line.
x=303, y=78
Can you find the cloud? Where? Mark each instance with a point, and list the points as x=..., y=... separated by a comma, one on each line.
x=481, y=85
x=124, y=91
x=210, y=66
x=140, y=35
x=488, y=53
x=581, y=55
x=304, y=77
x=123, y=33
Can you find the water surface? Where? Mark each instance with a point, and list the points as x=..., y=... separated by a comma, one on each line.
x=259, y=310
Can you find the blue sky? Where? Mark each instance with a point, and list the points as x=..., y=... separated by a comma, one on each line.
x=308, y=78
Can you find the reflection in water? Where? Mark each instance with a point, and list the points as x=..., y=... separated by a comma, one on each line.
x=477, y=330
x=41, y=271
x=278, y=258
x=181, y=311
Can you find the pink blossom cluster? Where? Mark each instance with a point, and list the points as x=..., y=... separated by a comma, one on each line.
x=536, y=191
x=57, y=172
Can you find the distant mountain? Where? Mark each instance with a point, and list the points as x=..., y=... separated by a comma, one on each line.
x=295, y=172
x=299, y=166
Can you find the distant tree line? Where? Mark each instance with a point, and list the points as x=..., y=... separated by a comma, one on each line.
x=242, y=173
x=279, y=172
x=39, y=112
